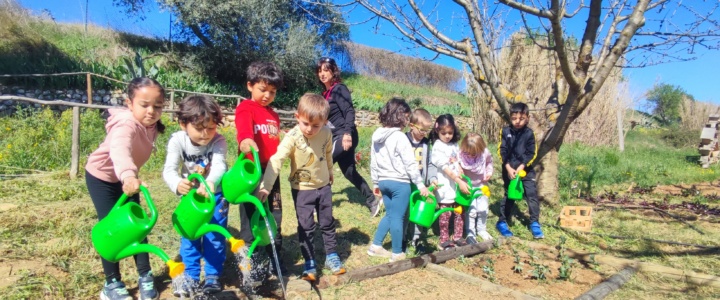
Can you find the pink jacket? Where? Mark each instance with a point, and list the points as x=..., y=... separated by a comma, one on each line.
x=126, y=148
x=479, y=167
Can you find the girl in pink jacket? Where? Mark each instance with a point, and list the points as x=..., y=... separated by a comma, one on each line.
x=476, y=162
x=113, y=168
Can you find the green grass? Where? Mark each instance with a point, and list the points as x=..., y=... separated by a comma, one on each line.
x=48, y=230
x=372, y=93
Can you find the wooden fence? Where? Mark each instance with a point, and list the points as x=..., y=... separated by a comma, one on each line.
x=75, y=149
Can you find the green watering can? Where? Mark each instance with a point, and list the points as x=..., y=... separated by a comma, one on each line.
x=242, y=178
x=515, y=188
x=465, y=199
x=120, y=233
x=260, y=229
x=422, y=209
x=191, y=218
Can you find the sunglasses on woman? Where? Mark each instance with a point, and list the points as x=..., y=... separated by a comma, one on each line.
x=327, y=60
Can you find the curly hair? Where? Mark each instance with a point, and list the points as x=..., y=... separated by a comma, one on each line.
x=199, y=109
x=395, y=113
x=444, y=121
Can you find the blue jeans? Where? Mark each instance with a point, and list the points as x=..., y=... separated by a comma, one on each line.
x=396, y=196
x=210, y=246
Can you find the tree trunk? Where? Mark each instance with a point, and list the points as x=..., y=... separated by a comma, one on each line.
x=547, y=177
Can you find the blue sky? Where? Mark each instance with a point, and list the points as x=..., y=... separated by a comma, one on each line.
x=698, y=77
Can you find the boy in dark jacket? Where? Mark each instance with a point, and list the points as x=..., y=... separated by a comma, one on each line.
x=517, y=151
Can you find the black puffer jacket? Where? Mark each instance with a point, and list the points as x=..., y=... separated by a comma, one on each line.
x=517, y=146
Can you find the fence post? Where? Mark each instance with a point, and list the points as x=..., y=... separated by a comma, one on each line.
x=89, y=88
x=172, y=99
x=75, y=155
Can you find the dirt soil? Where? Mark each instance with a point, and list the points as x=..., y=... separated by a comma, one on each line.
x=583, y=278
x=704, y=188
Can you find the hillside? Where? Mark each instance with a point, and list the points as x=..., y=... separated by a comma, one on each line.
x=33, y=44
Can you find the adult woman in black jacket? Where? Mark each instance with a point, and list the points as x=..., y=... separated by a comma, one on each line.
x=342, y=123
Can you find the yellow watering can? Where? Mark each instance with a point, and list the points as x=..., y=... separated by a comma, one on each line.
x=191, y=218
x=120, y=233
x=422, y=209
x=466, y=199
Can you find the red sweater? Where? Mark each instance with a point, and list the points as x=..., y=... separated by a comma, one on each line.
x=261, y=124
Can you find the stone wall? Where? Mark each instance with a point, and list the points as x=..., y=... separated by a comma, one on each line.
x=101, y=97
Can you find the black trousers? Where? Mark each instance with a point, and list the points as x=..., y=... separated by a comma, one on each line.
x=346, y=162
x=306, y=203
x=247, y=210
x=507, y=205
x=104, y=195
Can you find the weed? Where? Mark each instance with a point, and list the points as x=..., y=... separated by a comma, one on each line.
x=539, y=271
x=518, y=267
x=595, y=265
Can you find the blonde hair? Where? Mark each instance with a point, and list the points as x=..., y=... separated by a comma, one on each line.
x=420, y=114
x=313, y=107
x=473, y=144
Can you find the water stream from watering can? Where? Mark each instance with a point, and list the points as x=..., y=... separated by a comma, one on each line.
x=277, y=261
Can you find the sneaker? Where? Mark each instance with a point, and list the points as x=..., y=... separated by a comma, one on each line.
x=536, y=231
x=459, y=243
x=333, y=263
x=470, y=240
x=378, y=251
x=146, y=286
x=212, y=285
x=485, y=236
x=377, y=207
x=115, y=291
x=396, y=257
x=310, y=272
x=446, y=245
x=503, y=228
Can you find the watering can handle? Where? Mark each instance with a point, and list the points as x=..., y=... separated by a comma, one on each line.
x=467, y=179
x=146, y=194
x=256, y=158
x=201, y=179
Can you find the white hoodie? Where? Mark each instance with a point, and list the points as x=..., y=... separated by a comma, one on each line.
x=392, y=158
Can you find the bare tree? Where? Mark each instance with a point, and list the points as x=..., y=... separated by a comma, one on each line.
x=654, y=31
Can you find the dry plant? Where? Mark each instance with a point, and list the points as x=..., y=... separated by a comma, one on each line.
x=375, y=62
x=694, y=114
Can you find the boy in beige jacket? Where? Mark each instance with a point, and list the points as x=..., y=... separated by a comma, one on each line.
x=309, y=147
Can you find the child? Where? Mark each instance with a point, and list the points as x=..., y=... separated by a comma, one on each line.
x=113, y=168
x=476, y=162
x=258, y=127
x=392, y=168
x=201, y=150
x=420, y=125
x=445, y=156
x=517, y=150
x=309, y=147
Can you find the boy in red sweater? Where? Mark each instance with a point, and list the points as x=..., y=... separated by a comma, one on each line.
x=258, y=127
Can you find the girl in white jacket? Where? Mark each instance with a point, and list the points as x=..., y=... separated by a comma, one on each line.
x=446, y=156
x=392, y=168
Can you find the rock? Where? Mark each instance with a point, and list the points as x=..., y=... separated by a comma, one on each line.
x=106, y=99
x=102, y=92
x=77, y=96
x=20, y=91
x=96, y=99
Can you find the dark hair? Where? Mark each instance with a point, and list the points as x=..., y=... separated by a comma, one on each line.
x=314, y=107
x=395, y=113
x=198, y=109
x=519, y=108
x=141, y=82
x=442, y=122
x=329, y=63
x=266, y=72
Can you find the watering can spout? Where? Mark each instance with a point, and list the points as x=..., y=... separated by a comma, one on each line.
x=235, y=244
x=175, y=268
